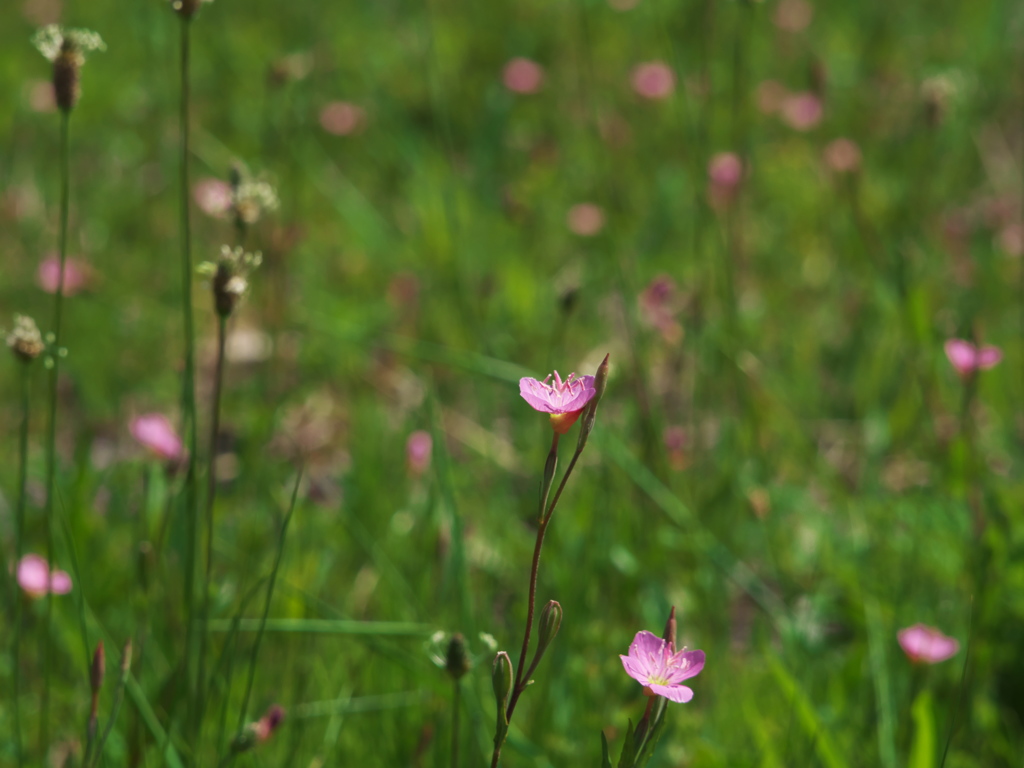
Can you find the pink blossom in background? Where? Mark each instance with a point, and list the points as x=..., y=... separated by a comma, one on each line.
x=725, y=172
x=213, y=196
x=793, y=15
x=418, y=449
x=342, y=118
x=155, y=432
x=623, y=5
x=802, y=111
x=264, y=728
x=770, y=96
x=967, y=358
x=654, y=664
x=564, y=400
x=653, y=80
x=658, y=307
x=1011, y=239
x=35, y=578
x=77, y=275
x=676, y=443
x=926, y=644
x=523, y=76
x=842, y=156
x=585, y=219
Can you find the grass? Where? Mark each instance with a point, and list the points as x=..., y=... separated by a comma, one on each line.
x=838, y=481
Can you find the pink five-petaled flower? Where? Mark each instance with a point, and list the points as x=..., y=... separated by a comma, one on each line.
x=923, y=643
x=564, y=400
x=654, y=664
x=154, y=430
x=35, y=577
x=967, y=358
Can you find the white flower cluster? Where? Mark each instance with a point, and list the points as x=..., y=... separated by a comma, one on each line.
x=53, y=37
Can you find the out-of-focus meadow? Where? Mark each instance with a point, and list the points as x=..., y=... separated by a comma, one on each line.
x=772, y=215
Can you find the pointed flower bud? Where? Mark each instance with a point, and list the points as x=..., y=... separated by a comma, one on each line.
x=550, y=621
x=670, y=630
x=456, y=657
x=501, y=679
x=126, y=657
x=590, y=414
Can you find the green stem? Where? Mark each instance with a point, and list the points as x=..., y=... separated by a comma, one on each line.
x=19, y=550
x=116, y=708
x=211, y=494
x=188, y=395
x=456, y=701
x=53, y=358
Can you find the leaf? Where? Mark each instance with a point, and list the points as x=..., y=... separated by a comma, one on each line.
x=922, y=750
x=628, y=749
x=606, y=760
x=824, y=744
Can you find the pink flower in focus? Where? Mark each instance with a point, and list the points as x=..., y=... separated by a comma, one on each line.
x=418, y=448
x=213, y=196
x=842, y=156
x=35, y=578
x=926, y=644
x=653, y=80
x=585, y=219
x=654, y=664
x=342, y=118
x=155, y=432
x=564, y=400
x=77, y=275
x=967, y=358
x=523, y=76
x=802, y=111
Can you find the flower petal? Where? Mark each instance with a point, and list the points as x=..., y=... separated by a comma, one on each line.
x=677, y=693
x=962, y=354
x=537, y=395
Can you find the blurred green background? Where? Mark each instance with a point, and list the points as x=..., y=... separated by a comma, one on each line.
x=784, y=452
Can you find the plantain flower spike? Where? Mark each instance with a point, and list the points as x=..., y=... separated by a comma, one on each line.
x=67, y=49
x=230, y=273
x=25, y=340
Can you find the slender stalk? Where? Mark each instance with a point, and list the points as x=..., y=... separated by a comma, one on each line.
x=188, y=394
x=126, y=656
x=456, y=706
x=19, y=549
x=53, y=360
x=211, y=494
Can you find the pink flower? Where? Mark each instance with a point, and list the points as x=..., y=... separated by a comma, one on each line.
x=585, y=219
x=658, y=307
x=967, y=358
x=802, y=111
x=40, y=96
x=564, y=400
x=342, y=118
x=264, y=728
x=653, y=80
x=725, y=172
x=793, y=15
x=927, y=644
x=523, y=76
x=154, y=430
x=213, y=196
x=418, y=448
x=653, y=663
x=77, y=275
x=770, y=96
x=842, y=156
x=35, y=578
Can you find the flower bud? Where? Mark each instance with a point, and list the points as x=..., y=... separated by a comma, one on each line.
x=456, y=658
x=670, y=630
x=126, y=657
x=501, y=679
x=550, y=621
x=590, y=413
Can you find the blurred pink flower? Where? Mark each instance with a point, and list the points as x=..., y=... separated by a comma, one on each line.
x=1011, y=239
x=155, y=432
x=802, y=111
x=926, y=644
x=264, y=728
x=585, y=219
x=967, y=358
x=623, y=5
x=342, y=118
x=77, y=275
x=35, y=578
x=564, y=400
x=40, y=96
x=418, y=448
x=523, y=76
x=793, y=15
x=653, y=80
x=654, y=664
x=658, y=307
x=725, y=172
x=842, y=156
x=213, y=196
